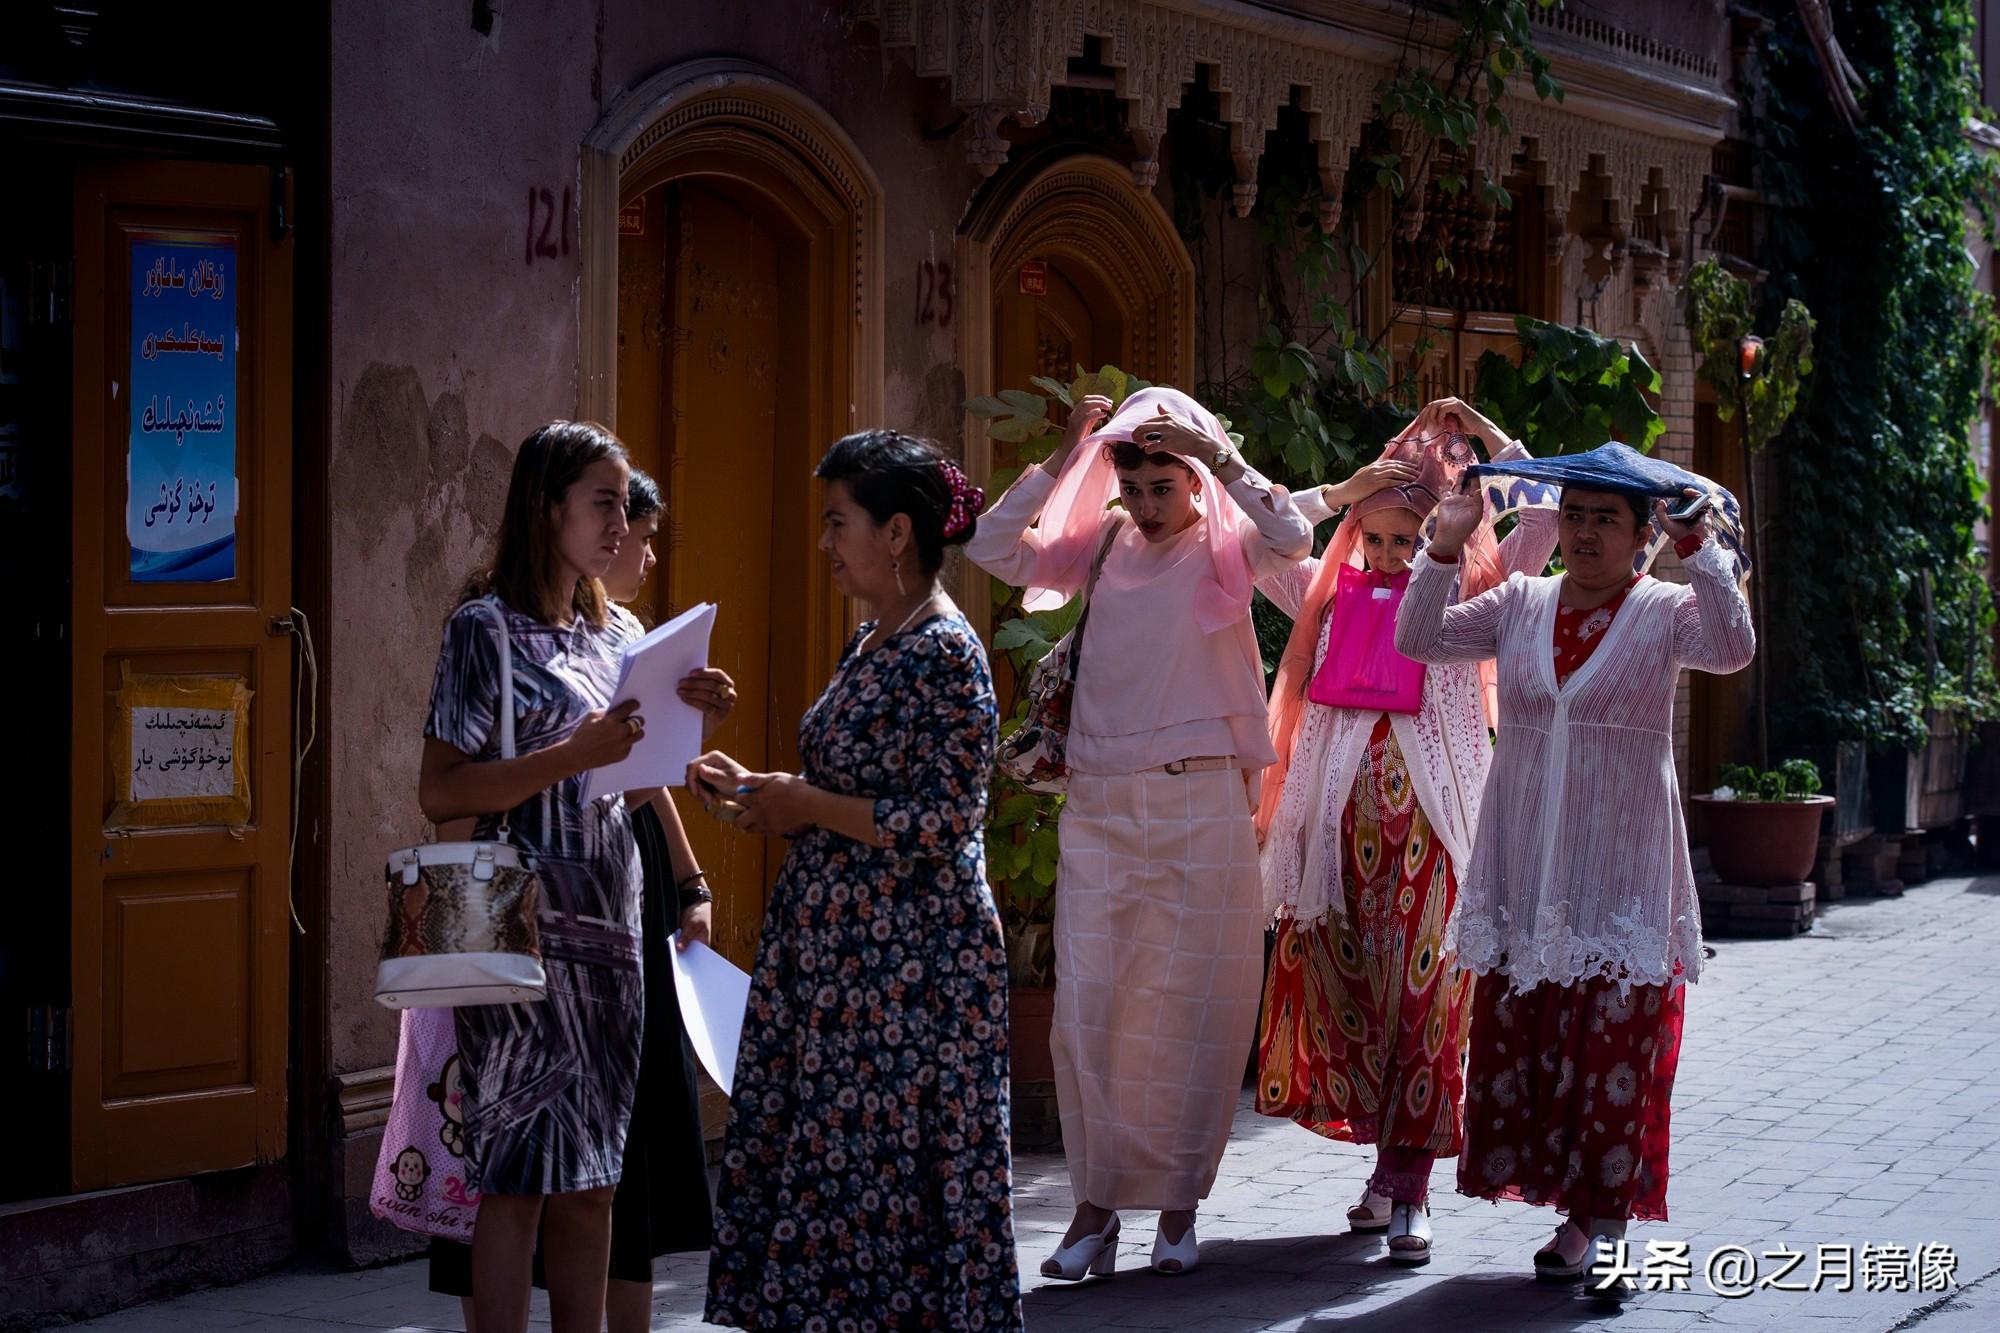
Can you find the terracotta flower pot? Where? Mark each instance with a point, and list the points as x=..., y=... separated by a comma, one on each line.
x=1763, y=842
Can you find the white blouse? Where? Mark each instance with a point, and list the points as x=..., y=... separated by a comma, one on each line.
x=1151, y=686
x=1580, y=865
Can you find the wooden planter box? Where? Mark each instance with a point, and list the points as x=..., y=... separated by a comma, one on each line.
x=1923, y=789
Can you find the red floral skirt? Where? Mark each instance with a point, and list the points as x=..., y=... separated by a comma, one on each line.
x=1364, y=1018
x=1568, y=1093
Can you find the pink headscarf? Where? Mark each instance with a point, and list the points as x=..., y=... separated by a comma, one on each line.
x=1436, y=443
x=1074, y=515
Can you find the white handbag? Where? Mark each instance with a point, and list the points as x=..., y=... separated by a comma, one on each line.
x=462, y=926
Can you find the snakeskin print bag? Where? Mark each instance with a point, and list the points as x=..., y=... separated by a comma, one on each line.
x=462, y=914
x=1036, y=753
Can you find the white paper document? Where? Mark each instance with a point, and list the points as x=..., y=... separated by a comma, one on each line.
x=651, y=672
x=713, y=993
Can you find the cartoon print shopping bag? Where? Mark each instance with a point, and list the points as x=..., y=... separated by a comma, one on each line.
x=423, y=1182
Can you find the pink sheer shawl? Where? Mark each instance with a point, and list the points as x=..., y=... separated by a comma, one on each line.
x=1436, y=443
x=1073, y=517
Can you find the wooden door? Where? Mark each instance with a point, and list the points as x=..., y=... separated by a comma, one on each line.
x=1045, y=323
x=721, y=441
x=180, y=795
x=1721, y=729
x=711, y=392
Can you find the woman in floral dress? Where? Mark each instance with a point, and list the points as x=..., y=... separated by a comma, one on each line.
x=865, y=1176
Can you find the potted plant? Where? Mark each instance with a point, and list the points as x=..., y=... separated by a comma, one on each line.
x=1763, y=825
x=1021, y=857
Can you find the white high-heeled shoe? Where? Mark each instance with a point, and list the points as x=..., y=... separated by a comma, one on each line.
x=1603, y=1277
x=1371, y=1214
x=1095, y=1254
x=1184, y=1254
x=1410, y=1222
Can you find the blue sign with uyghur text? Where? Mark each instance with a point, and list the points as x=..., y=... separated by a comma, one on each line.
x=180, y=513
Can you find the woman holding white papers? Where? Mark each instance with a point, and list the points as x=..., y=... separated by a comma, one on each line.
x=551, y=1084
x=865, y=1178
x=661, y=1205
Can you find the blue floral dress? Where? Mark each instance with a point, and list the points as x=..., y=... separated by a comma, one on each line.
x=865, y=1177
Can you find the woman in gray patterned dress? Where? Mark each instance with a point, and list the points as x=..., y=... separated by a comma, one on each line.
x=551, y=1084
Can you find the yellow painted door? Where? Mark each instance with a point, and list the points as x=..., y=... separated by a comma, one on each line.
x=180, y=801
x=722, y=447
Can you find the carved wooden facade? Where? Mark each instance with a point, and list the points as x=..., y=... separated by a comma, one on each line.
x=1641, y=116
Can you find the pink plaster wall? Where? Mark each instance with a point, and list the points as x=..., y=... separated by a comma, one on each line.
x=449, y=344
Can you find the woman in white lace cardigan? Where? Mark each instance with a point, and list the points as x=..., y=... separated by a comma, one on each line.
x=1578, y=910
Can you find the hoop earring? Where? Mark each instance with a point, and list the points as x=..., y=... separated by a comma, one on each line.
x=897, y=566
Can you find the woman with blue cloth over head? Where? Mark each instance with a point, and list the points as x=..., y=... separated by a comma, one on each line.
x=1578, y=911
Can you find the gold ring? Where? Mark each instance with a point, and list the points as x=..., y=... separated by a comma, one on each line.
x=632, y=725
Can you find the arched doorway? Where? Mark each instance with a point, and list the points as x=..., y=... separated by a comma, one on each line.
x=731, y=328
x=1068, y=263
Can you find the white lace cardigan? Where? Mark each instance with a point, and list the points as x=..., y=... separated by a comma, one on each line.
x=1445, y=746
x=1580, y=866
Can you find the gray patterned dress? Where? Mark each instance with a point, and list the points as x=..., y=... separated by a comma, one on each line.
x=551, y=1084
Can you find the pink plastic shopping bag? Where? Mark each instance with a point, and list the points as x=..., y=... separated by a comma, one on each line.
x=421, y=1176
x=1362, y=668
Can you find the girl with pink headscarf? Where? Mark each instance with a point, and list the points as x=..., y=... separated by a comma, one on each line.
x=1159, y=915
x=1366, y=817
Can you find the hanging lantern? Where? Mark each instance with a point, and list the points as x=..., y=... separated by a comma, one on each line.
x=1748, y=352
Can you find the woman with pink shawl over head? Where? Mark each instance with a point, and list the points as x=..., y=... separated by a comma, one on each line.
x=1365, y=818
x=1159, y=915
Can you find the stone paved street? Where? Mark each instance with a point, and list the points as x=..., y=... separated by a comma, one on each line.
x=1841, y=1089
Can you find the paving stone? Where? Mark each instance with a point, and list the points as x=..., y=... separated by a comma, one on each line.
x=1841, y=1088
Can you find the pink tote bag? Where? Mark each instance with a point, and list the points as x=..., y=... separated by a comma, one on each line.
x=421, y=1176
x=1363, y=669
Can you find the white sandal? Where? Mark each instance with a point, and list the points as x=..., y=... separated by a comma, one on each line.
x=1092, y=1255
x=1183, y=1254
x=1372, y=1214
x=1410, y=1222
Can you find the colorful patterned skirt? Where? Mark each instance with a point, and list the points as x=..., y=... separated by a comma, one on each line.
x=1364, y=1017
x=1567, y=1096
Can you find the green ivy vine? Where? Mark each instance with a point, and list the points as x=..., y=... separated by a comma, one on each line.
x=1761, y=381
x=1882, y=614
x=1316, y=386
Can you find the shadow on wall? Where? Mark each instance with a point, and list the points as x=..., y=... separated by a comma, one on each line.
x=400, y=451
